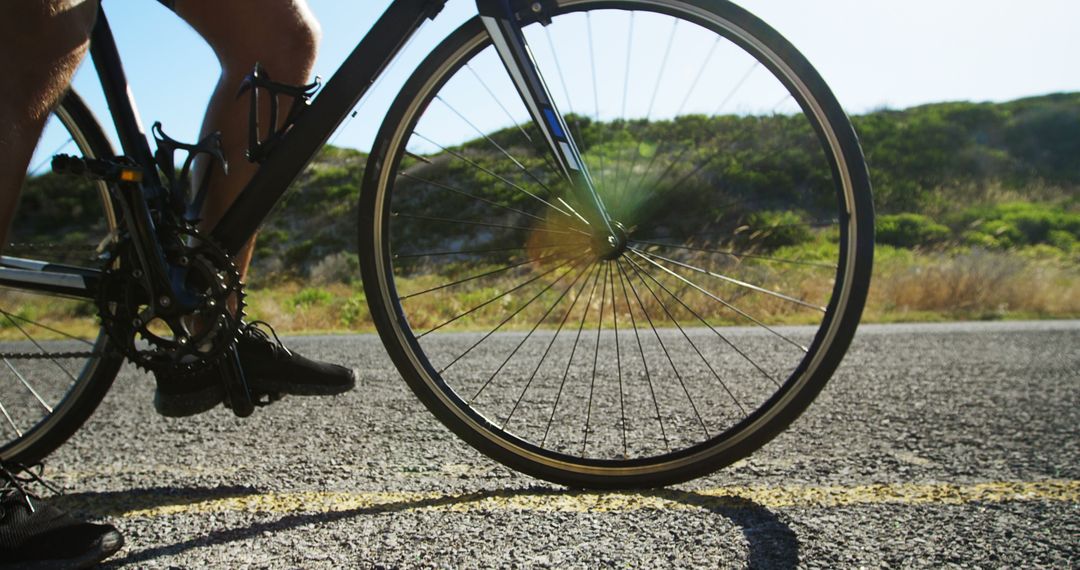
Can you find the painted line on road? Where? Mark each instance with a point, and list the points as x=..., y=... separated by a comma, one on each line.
x=148, y=505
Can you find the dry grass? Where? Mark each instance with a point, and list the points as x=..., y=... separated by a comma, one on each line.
x=907, y=286
x=973, y=285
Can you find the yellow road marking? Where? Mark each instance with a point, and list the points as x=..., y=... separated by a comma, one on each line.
x=151, y=505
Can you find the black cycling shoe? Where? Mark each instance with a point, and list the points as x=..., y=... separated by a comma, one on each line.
x=35, y=535
x=270, y=369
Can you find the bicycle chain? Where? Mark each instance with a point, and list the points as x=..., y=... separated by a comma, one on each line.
x=48, y=355
x=50, y=247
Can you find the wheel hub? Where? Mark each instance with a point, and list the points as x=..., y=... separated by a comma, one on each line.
x=610, y=246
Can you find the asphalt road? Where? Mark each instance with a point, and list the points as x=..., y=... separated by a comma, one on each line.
x=934, y=445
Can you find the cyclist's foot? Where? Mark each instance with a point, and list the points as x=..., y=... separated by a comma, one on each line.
x=269, y=368
x=34, y=534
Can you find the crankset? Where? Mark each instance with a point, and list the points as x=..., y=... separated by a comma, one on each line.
x=174, y=336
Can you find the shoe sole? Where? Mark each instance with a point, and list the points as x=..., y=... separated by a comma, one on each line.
x=188, y=404
x=304, y=389
x=107, y=545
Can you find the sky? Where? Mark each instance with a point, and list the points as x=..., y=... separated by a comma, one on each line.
x=873, y=53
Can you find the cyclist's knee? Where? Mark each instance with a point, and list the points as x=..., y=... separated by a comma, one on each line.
x=50, y=38
x=282, y=35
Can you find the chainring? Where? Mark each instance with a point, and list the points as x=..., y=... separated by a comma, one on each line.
x=162, y=338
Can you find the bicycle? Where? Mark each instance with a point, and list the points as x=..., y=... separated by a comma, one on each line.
x=626, y=294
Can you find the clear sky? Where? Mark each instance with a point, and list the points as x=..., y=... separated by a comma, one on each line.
x=874, y=53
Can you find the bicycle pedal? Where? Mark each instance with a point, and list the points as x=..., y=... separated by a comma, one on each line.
x=95, y=169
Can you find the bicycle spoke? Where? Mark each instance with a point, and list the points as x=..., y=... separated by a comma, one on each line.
x=475, y=223
x=498, y=177
x=736, y=281
x=7, y=416
x=734, y=90
x=497, y=297
x=482, y=199
x=46, y=327
x=508, y=318
x=713, y=329
x=618, y=358
x=739, y=311
x=596, y=356
x=37, y=344
x=479, y=276
x=626, y=92
x=502, y=150
x=652, y=102
x=464, y=251
x=736, y=254
x=697, y=77
x=48, y=158
x=596, y=87
x=22, y=379
x=638, y=271
x=529, y=335
x=572, y=119
x=678, y=159
x=498, y=102
x=573, y=350
x=667, y=354
x=641, y=352
x=596, y=269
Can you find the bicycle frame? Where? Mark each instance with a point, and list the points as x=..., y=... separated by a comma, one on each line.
x=502, y=18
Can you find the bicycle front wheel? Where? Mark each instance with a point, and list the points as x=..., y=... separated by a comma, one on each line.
x=741, y=189
x=57, y=365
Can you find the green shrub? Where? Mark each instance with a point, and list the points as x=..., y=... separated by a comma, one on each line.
x=355, y=310
x=910, y=230
x=310, y=297
x=774, y=229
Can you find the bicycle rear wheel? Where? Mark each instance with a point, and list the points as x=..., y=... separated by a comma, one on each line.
x=57, y=365
x=741, y=188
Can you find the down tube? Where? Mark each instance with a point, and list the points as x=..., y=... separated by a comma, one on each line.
x=341, y=93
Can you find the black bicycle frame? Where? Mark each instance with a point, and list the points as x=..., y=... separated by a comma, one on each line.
x=502, y=18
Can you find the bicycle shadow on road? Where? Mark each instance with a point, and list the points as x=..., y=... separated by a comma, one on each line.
x=771, y=543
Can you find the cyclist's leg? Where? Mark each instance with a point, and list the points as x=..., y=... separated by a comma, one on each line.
x=41, y=44
x=283, y=36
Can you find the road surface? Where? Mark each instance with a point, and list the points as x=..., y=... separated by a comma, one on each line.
x=934, y=445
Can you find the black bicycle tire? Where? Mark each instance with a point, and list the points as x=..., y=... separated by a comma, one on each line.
x=382, y=161
x=98, y=375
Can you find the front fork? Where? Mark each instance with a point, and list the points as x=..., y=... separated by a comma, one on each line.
x=503, y=20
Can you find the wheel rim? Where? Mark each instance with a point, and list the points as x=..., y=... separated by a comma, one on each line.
x=59, y=339
x=668, y=331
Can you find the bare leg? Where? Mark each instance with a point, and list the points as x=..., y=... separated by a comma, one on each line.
x=41, y=44
x=283, y=36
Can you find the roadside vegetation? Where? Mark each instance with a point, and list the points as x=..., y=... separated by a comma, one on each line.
x=978, y=217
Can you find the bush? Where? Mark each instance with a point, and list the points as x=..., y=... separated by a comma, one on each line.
x=774, y=229
x=341, y=267
x=910, y=230
x=1018, y=224
x=355, y=311
x=310, y=297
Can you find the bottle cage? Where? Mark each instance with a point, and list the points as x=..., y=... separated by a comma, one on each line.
x=259, y=80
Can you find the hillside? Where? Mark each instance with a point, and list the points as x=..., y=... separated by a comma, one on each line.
x=997, y=176
x=978, y=207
